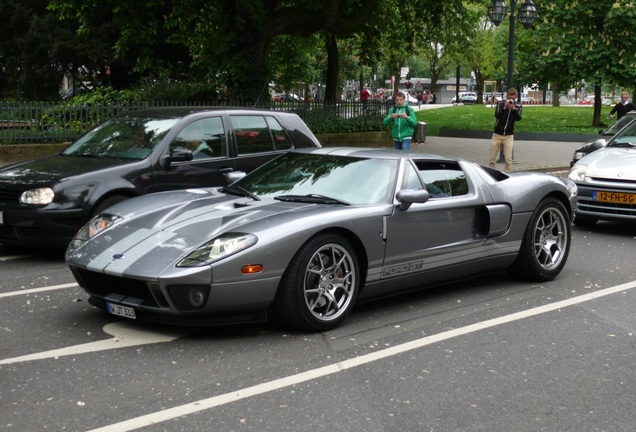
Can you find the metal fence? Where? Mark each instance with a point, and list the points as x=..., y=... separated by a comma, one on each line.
x=59, y=122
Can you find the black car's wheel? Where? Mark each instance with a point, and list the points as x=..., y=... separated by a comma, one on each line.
x=320, y=285
x=546, y=242
x=584, y=222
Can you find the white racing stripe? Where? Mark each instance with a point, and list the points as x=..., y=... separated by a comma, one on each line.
x=37, y=290
x=212, y=402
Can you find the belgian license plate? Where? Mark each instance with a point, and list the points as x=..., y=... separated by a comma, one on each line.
x=614, y=197
x=124, y=311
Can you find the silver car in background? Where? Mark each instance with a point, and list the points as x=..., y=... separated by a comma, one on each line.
x=606, y=180
x=310, y=233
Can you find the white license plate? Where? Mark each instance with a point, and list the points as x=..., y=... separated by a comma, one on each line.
x=124, y=311
x=1, y=218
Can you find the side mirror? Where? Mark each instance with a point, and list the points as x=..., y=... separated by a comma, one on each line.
x=410, y=196
x=177, y=155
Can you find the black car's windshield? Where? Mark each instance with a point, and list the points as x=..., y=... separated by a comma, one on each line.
x=127, y=137
x=324, y=179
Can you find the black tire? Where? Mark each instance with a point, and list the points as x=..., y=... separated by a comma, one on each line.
x=584, y=222
x=320, y=285
x=546, y=242
x=107, y=202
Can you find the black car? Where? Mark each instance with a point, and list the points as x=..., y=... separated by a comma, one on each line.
x=606, y=135
x=44, y=201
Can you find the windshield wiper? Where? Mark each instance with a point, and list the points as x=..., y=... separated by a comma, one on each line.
x=240, y=191
x=622, y=144
x=311, y=198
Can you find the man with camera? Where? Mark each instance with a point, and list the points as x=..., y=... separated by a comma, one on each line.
x=507, y=112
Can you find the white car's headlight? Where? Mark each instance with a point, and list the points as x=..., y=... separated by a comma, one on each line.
x=577, y=172
x=40, y=196
x=218, y=248
x=94, y=227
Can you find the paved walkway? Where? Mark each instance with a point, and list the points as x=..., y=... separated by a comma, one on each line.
x=528, y=155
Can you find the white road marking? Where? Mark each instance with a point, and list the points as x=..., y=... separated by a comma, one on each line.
x=124, y=335
x=37, y=290
x=215, y=401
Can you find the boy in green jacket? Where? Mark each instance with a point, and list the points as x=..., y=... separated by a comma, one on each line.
x=404, y=122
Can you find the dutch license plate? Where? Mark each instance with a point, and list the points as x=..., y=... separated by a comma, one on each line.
x=124, y=311
x=614, y=197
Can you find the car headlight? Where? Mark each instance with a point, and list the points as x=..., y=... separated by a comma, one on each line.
x=93, y=227
x=218, y=248
x=577, y=172
x=40, y=196
x=578, y=155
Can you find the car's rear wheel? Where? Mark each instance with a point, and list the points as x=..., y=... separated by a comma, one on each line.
x=320, y=285
x=584, y=222
x=546, y=242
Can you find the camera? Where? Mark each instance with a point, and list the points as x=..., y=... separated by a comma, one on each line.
x=511, y=101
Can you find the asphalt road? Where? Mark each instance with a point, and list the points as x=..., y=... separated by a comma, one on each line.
x=490, y=354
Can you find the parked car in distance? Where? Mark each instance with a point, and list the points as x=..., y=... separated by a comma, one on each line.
x=606, y=181
x=313, y=231
x=44, y=201
x=605, y=134
x=465, y=97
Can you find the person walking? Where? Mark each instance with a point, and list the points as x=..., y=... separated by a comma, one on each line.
x=403, y=119
x=364, y=97
x=623, y=107
x=507, y=113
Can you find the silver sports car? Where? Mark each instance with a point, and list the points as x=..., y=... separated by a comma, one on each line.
x=308, y=234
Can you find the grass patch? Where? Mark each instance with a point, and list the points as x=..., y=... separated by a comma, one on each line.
x=567, y=119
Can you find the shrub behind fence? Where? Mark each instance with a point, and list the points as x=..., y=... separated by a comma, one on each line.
x=59, y=122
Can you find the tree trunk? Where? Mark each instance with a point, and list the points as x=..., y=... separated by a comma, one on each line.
x=596, y=120
x=331, y=93
x=555, y=94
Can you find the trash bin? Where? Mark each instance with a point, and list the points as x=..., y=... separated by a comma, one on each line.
x=420, y=133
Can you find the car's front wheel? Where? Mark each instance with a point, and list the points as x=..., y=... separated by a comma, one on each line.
x=546, y=242
x=320, y=285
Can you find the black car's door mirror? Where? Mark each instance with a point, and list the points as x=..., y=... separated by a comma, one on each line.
x=177, y=155
x=410, y=196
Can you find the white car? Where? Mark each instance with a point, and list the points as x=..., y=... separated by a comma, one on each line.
x=606, y=181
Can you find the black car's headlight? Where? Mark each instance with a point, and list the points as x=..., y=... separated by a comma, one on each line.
x=39, y=196
x=94, y=227
x=578, y=155
x=218, y=248
x=577, y=172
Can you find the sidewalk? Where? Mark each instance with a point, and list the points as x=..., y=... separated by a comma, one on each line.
x=528, y=155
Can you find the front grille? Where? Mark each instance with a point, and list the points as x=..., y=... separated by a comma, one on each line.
x=586, y=204
x=8, y=195
x=102, y=285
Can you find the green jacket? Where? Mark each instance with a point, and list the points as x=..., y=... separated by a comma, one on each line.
x=402, y=128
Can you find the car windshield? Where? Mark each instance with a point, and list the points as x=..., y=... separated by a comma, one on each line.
x=626, y=137
x=618, y=125
x=324, y=179
x=126, y=137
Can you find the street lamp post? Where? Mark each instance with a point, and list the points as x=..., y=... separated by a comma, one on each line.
x=497, y=11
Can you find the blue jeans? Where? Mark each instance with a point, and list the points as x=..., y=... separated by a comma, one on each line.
x=402, y=145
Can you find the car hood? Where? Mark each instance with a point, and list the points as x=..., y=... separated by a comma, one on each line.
x=157, y=230
x=611, y=163
x=52, y=169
